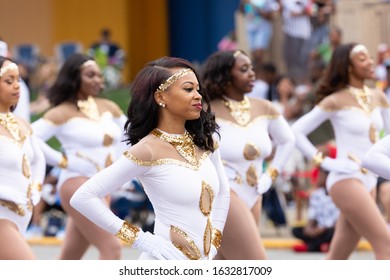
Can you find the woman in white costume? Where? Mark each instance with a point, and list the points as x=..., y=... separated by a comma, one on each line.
x=246, y=128
x=90, y=131
x=176, y=159
x=357, y=113
x=377, y=159
x=22, y=168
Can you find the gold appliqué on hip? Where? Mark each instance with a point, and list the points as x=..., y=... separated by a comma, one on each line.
x=373, y=134
x=207, y=237
x=26, y=167
x=184, y=243
x=252, y=176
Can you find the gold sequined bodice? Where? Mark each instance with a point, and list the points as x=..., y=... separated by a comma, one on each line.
x=89, y=108
x=363, y=97
x=183, y=143
x=239, y=110
x=9, y=122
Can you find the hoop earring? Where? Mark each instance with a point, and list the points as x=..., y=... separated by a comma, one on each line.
x=161, y=105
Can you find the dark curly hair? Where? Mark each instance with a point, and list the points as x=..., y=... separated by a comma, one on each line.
x=68, y=81
x=336, y=75
x=216, y=72
x=142, y=112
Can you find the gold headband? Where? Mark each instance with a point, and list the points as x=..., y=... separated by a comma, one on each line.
x=88, y=63
x=357, y=49
x=173, y=79
x=237, y=53
x=11, y=66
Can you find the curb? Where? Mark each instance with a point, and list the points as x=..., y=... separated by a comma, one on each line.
x=270, y=243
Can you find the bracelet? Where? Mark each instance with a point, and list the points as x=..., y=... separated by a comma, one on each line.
x=318, y=158
x=63, y=162
x=216, y=238
x=128, y=233
x=273, y=173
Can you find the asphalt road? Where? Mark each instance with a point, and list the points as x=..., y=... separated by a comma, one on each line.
x=51, y=252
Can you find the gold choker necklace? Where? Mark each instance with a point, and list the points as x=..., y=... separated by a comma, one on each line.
x=239, y=110
x=183, y=143
x=8, y=121
x=89, y=108
x=362, y=96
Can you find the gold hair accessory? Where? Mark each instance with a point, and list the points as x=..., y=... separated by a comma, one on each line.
x=174, y=78
x=161, y=104
x=216, y=238
x=318, y=158
x=239, y=110
x=89, y=108
x=10, y=66
x=63, y=162
x=183, y=143
x=9, y=122
x=128, y=233
x=273, y=173
x=237, y=53
x=88, y=63
x=357, y=49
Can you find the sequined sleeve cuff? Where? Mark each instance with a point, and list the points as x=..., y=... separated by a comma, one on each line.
x=128, y=233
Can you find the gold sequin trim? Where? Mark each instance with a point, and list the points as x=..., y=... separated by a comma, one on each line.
x=89, y=108
x=166, y=161
x=216, y=239
x=254, y=121
x=97, y=166
x=12, y=206
x=128, y=233
x=374, y=137
x=239, y=110
x=26, y=169
x=207, y=237
x=358, y=161
x=206, y=199
x=192, y=252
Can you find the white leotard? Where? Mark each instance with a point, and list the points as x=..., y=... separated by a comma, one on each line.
x=97, y=142
x=355, y=131
x=17, y=162
x=175, y=188
x=238, y=144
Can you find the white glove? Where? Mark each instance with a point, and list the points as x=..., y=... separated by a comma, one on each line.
x=81, y=165
x=35, y=196
x=48, y=194
x=264, y=184
x=213, y=252
x=339, y=165
x=157, y=246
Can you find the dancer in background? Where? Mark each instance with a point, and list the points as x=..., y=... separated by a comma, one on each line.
x=246, y=127
x=90, y=130
x=343, y=97
x=22, y=168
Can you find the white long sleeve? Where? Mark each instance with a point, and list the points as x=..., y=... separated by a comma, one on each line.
x=377, y=158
